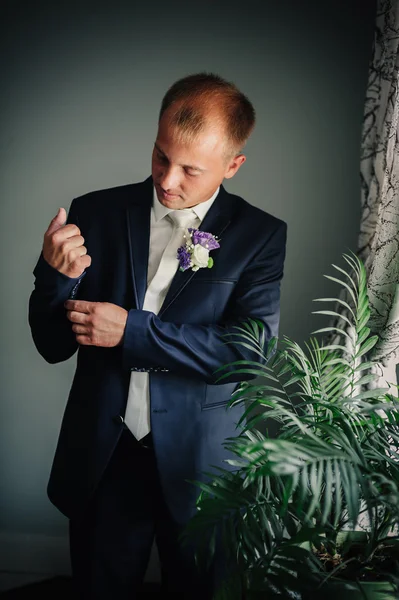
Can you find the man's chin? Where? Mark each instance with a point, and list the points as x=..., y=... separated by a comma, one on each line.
x=170, y=203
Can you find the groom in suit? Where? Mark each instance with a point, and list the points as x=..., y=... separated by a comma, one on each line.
x=146, y=414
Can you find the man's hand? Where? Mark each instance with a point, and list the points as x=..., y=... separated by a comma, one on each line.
x=97, y=323
x=63, y=247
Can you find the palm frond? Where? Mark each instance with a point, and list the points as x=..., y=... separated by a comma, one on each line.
x=334, y=460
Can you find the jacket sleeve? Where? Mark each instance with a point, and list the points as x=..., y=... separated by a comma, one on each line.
x=199, y=350
x=51, y=330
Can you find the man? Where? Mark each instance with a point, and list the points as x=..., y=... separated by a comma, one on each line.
x=146, y=415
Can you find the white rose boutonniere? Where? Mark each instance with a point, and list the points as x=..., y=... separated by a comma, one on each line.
x=194, y=254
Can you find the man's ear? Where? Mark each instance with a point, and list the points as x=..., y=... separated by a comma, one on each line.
x=234, y=165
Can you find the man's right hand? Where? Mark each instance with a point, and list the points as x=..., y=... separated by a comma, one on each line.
x=63, y=247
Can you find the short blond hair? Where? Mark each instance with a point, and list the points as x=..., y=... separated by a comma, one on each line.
x=201, y=99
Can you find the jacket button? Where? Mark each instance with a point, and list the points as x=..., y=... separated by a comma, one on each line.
x=118, y=420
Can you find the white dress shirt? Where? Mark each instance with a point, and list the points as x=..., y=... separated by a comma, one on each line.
x=137, y=415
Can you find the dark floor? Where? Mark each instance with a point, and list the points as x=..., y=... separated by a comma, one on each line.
x=59, y=588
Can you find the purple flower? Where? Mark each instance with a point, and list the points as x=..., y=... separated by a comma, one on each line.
x=184, y=258
x=203, y=238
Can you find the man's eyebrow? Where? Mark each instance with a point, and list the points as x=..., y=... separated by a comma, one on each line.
x=184, y=166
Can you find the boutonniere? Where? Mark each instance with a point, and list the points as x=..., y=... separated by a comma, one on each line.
x=194, y=253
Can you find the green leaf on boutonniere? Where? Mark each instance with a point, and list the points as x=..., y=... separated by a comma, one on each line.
x=210, y=262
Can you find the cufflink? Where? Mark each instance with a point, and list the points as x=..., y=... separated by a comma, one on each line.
x=75, y=288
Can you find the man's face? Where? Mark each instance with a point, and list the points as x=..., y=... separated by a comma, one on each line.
x=188, y=173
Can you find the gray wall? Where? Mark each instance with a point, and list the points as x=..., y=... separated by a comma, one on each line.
x=81, y=89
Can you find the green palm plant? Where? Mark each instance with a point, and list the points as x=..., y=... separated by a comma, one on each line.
x=333, y=463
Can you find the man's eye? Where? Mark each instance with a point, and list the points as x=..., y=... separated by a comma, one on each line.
x=161, y=158
x=192, y=173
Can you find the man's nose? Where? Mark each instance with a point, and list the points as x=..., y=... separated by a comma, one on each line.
x=169, y=179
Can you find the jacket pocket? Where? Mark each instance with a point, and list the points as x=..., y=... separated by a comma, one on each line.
x=217, y=396
x=210, y=280
x=214, y=405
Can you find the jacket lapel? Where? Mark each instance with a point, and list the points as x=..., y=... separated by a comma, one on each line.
x=216, y=221
x=138, y=231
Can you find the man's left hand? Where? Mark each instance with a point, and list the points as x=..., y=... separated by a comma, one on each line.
x=97, y=323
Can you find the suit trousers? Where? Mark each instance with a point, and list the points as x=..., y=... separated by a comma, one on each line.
x=110, y=544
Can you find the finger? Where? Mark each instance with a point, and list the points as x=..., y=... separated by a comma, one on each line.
x=81, y=329
x=73, y=241
x=74, y=254
x=83, y=340
x=81, y=306
x=83, y=262
x=77, y=266
x=76, y=317
x=66, y=233
x=58, y=221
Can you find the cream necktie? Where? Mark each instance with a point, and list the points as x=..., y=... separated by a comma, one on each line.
x=160, y=283
x=137, y=415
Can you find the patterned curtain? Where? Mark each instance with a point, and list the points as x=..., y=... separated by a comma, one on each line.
x=378, y=244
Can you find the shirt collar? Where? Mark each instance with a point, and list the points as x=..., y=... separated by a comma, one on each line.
x=160, y=211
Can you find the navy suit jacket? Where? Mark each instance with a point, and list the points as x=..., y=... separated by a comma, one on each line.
x=181, y=347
